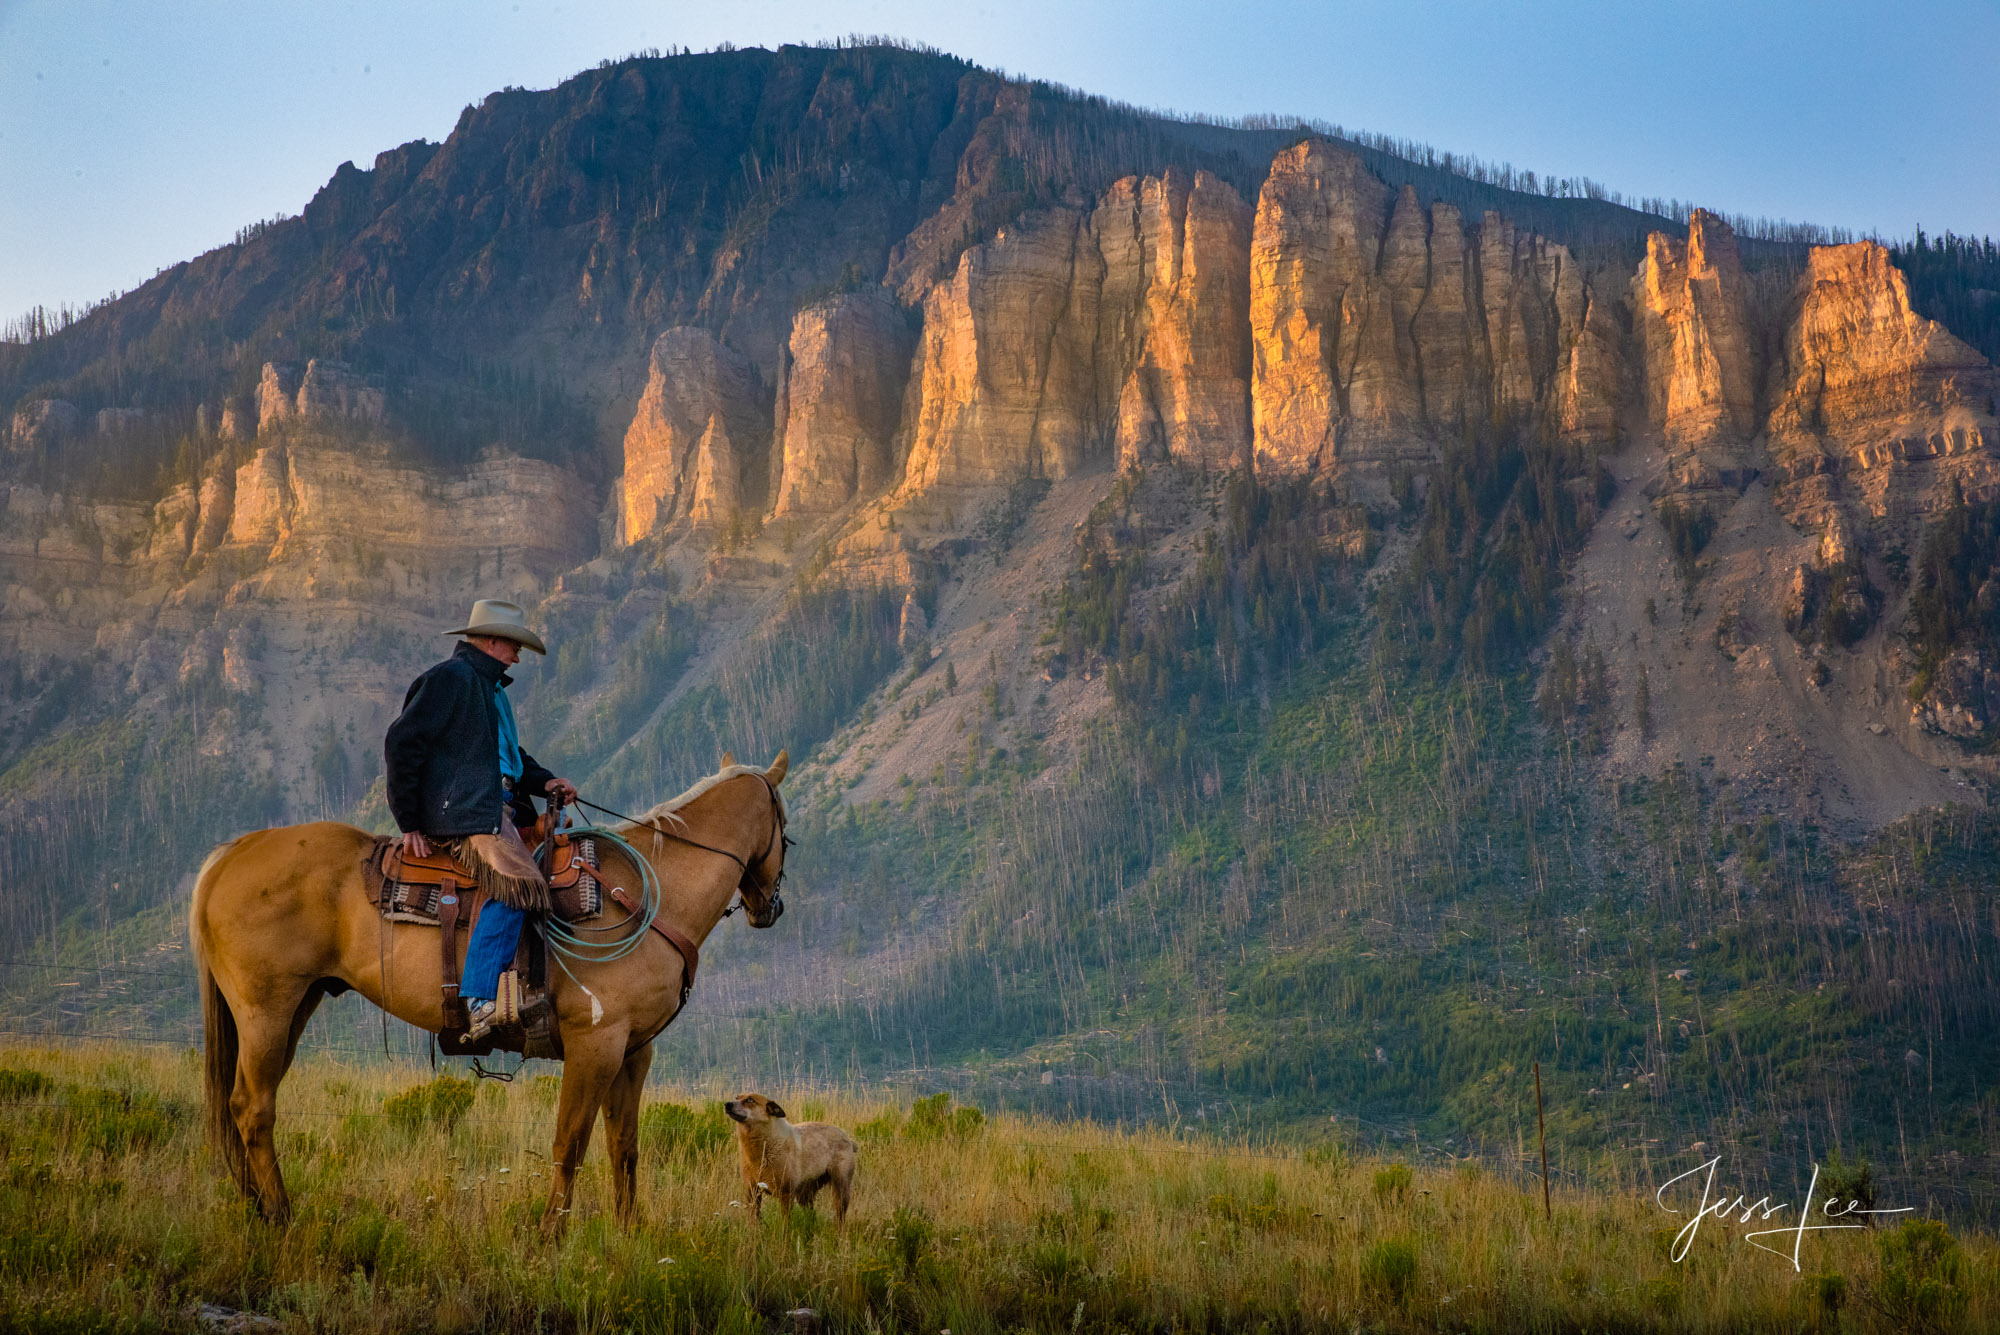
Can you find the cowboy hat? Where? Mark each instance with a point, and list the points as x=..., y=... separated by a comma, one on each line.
x=503, y=620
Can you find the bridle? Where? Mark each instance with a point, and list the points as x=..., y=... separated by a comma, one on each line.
x=776, y=901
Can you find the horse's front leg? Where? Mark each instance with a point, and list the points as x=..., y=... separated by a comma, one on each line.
x=591, y=1061
x=621, y=1129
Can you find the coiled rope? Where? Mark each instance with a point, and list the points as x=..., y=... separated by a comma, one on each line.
x=568, y=942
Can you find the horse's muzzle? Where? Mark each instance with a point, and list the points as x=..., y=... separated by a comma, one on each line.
x=773, y=911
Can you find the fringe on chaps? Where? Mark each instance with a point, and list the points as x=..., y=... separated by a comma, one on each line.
x=504, y=870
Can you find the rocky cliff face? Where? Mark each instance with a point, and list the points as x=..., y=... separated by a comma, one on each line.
x=1080, y=337
x=1312, y=267
x=328, y=391
x=1338, y=329
x=308, y=502
x=1172, y=343
x=296, y=520
x=840, y=403
x=697, y=446
x=1692, y=312
x=1005, y=383
x=331, y=390
x=296, y=592
x=1091, y=290
x=236, y=421
x=277, y=396
x=1862, y=380
x=1453, y=371
x=1592, y=386
x=1375, y=330
x=41, y=423
x=1335, y=325
x=1857, y=422
x=1854, y=382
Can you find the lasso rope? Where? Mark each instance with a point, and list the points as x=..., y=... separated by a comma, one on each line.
x=572, y=943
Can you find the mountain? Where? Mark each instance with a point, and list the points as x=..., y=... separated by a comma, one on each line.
x=1277, y=630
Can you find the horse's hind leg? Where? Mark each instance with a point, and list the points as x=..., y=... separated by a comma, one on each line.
x=314, y=995
x=263, y=1054
x=621, y=1131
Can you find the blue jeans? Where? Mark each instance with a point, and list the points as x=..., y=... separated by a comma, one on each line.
x=494, y=939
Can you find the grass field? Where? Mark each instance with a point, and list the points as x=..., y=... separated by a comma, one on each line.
x=417, y=1211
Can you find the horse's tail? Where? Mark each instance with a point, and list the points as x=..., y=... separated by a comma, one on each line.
x=219, y=1039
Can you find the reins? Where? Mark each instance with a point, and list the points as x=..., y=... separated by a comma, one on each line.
x=661, y=830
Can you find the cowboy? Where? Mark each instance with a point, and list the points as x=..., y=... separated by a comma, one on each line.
x=457, y=775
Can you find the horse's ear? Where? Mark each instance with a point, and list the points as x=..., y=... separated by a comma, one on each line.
x=776, y=774
x=728, y=759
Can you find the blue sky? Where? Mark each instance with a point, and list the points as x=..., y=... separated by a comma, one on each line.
x=133, y=135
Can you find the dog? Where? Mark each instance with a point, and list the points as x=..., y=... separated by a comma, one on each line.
x=790, y=1160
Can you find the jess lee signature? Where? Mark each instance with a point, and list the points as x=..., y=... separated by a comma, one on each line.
x=1760, y=1211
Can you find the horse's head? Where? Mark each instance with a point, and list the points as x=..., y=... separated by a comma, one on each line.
x=764, y=872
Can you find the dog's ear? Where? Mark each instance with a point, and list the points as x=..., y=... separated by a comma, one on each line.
x=773, y=1109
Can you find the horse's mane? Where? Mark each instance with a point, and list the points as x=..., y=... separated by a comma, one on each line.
x=672, y=805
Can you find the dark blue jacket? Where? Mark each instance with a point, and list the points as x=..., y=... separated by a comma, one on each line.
x=443, y=750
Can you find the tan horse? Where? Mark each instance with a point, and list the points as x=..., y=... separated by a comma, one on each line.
x=281, y=919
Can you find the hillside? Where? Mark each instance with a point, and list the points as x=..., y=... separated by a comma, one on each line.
x=1274, y=630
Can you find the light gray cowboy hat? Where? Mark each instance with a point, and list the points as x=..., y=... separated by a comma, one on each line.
x=506, y=621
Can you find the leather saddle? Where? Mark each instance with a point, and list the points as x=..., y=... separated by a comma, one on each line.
x=440, y=891
x=413, y=889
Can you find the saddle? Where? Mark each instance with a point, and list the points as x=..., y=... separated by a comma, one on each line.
x=442, y=891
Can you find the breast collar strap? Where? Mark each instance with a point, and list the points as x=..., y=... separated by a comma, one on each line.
x=682, y=943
